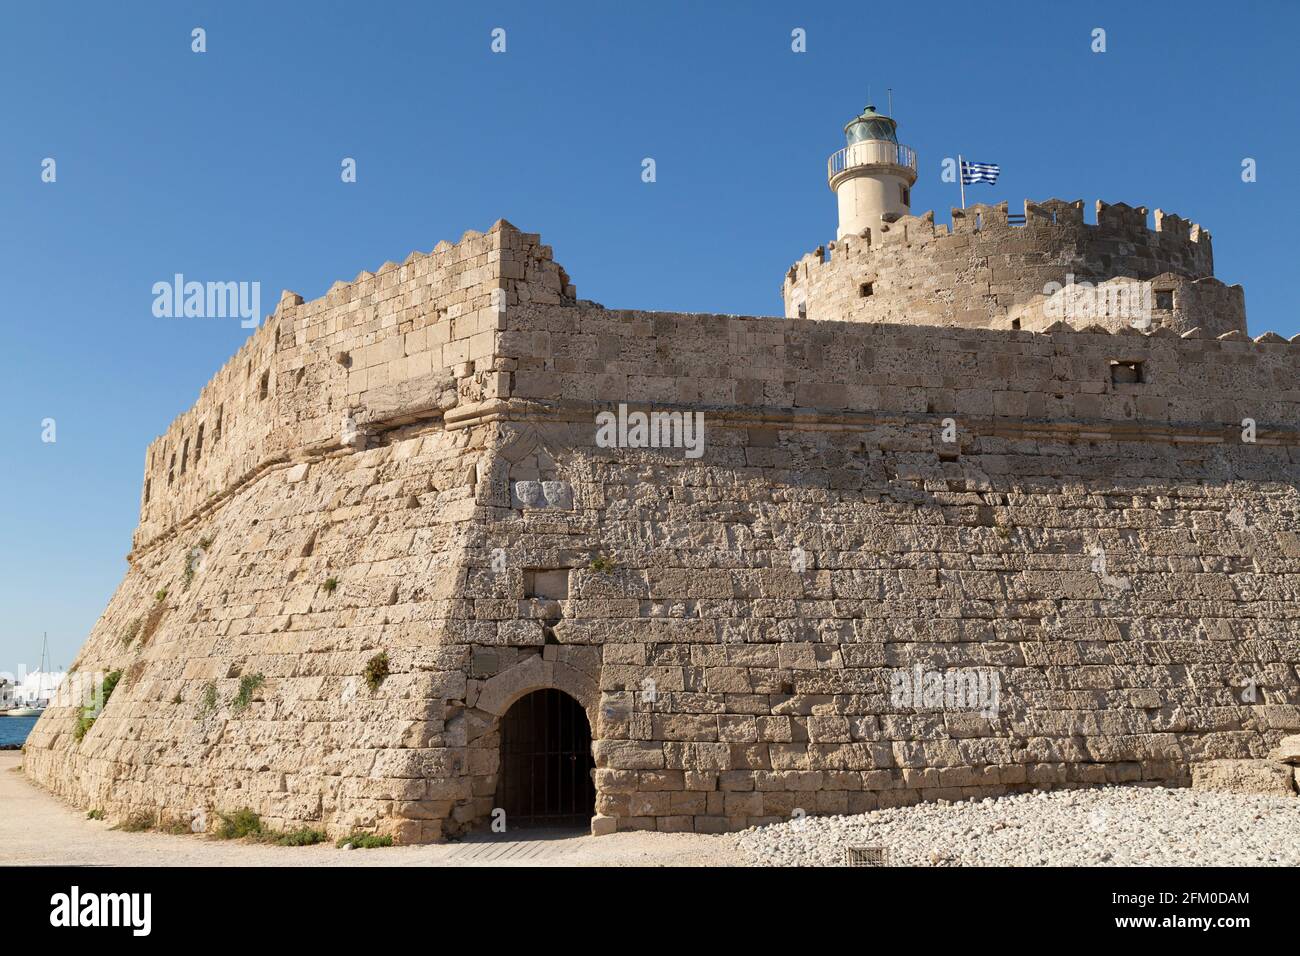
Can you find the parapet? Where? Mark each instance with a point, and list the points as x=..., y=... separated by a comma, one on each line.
x=445, y=334
x=1167, y=301
x=1085, y=381
x=408, y=338
x=990, y=263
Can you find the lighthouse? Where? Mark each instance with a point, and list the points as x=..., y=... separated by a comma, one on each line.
x=872, y=176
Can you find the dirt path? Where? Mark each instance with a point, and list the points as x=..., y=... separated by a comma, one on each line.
x=38, y=829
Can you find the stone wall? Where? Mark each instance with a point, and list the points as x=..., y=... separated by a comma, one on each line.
x=1168, y=301
x=1023, y=380
x=983, y=269
x=403, y=337
x=1096, y=533
x=314, y=746
x=1115, y=553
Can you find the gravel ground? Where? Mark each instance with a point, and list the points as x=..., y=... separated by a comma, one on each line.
x=37, y=828
x=1114, y=826
x=1107, y=826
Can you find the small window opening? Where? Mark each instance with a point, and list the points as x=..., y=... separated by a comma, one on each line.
x=148, y=487
x=866, y=289
x=546, y=584
x=907, y=196
x=803, y=310
x=198, y=444
x=1126, y=373
x=1165, y=300
x=185, y=454
x=1015, y=323
x=264, y=385
x=216, y=429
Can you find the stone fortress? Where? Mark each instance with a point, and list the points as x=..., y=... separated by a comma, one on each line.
x=386, y=578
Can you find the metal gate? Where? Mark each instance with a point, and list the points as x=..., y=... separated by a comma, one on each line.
x=545, y=778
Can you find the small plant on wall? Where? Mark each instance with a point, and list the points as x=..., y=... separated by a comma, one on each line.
x=208, y=700
x=376, y=670
x=247, y=685
x=132, y=631
x=86, y=719
x=602, y=565
x=330, y=584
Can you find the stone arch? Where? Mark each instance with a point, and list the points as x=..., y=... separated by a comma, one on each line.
x=499, y=692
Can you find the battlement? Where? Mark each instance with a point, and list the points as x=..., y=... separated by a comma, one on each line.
x=493, y=318
x=420, y=334
x=988, y=264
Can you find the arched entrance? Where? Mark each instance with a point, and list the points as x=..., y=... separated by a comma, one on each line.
x=545, y=774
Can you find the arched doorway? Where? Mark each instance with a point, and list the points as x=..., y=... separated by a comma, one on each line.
x=545, y=775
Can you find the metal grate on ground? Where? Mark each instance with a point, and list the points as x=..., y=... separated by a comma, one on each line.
x=866, y=856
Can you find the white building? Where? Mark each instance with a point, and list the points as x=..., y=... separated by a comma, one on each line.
x=34, y=689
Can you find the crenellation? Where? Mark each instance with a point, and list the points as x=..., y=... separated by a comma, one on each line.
x=356, y=319
x=987, y=270
x=1122, y=219
x=1174, y=228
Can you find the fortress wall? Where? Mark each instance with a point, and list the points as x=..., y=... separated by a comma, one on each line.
x=1115, y=553
x=974, y=274
x=314, y=746
x=283, y=507
x=771, y=681
x=1134, y=589
x=401, y=340
x=765, y=365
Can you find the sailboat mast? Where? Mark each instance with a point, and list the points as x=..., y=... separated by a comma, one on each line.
x=40, y=677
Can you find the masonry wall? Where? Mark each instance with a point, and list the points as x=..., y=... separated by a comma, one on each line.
x=289, y=550
x=459, y=531
x=984, y=268
x=1170, y=302
x=772, y=684
x=770, y=687
x=400, y=341
x=1021, y=379
x=314, y=746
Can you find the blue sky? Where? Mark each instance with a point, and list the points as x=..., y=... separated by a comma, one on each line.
x=225, y=166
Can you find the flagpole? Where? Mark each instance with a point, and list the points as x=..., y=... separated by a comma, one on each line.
x=961, y=179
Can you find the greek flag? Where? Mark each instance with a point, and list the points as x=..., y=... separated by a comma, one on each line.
x=979, y=173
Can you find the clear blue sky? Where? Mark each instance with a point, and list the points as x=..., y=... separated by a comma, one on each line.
x=225, y=166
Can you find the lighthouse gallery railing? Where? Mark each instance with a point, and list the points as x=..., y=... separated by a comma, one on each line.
x=870, y=152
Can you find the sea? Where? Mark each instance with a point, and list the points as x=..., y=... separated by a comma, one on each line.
x=14, y=730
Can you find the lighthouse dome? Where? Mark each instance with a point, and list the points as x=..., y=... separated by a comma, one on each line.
x=870, y=126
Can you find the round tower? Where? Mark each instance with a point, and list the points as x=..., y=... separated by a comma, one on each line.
x=873, y=175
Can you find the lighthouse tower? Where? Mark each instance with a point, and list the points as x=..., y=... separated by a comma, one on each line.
x=872, y=176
